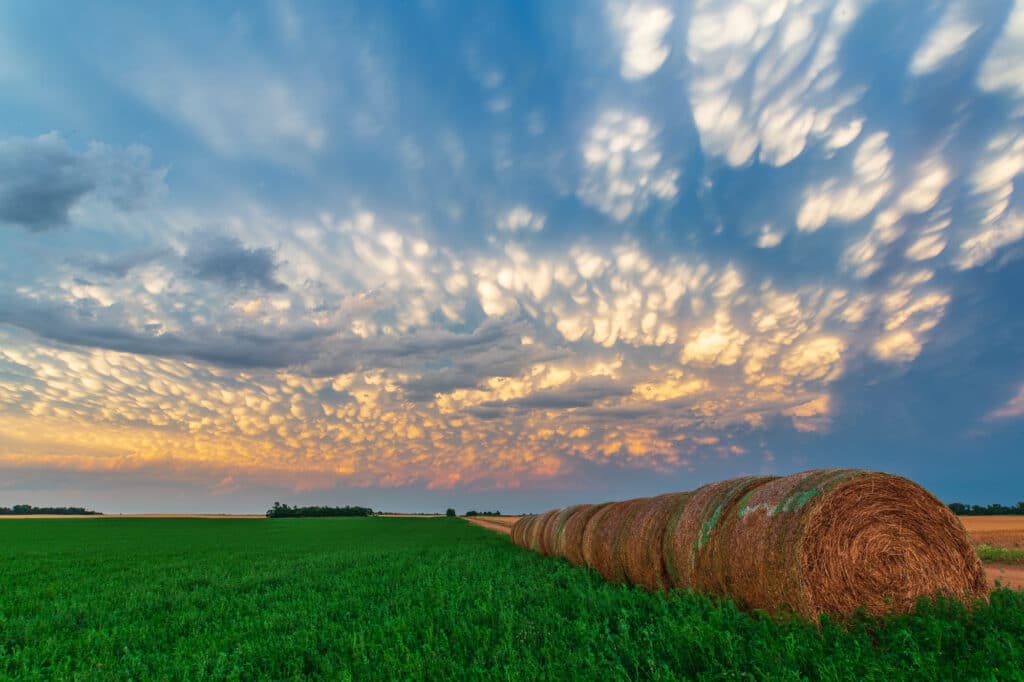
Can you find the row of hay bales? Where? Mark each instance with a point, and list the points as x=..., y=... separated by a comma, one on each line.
x=823, y=541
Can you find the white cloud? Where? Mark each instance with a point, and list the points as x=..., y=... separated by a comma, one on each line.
x=623, y=167
x=719, y=344
x=816, y=360
x=900, y=346
x=521, y=218
x=1003, y=68
x=641, y=27
x=765, y=75
x=982, y=246
x=769, y=238
x=239, y=110
x=947, y=38
x=852, y=198
x=1014, y=407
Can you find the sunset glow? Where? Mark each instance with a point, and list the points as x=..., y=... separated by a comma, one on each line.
x=494, y=252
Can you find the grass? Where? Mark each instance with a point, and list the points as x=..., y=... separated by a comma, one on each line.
x=419, y=599
x=1005, y=555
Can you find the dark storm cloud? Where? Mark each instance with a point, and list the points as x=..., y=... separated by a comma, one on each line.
x=122, y=264
x=311, y=350
x=227, y=261
x=581, y=394
x=42, y=178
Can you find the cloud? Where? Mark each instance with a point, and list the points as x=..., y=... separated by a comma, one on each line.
x=641, y=28
x=1014, y=407
x=623, y=168
x=1003, y=68
x=948, y=38
x=227, y=261
x=42, y=179
x=853, y=197
x=768, y=79
x=521, y=219
x=239, y=109
x=580, y=394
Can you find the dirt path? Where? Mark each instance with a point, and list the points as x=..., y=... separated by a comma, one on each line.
x=491, y=525
x=1008, y=575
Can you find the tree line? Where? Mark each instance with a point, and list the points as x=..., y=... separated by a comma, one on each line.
x=283, y=511
x=991, y=510
x=473, y=512
x=28, y=509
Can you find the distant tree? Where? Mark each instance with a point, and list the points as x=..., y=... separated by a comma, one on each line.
x=473, y=512
x=450, y=512
x=28, y=509
x=990, y=510
x=283, y=511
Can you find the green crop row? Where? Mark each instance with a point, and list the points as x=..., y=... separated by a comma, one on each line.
x=1001, y=554
x=419, y=599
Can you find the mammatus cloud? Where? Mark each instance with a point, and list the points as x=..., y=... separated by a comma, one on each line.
x=765, y=79
x=42, y=179
x=946, y=39
x=1004, y=67
x=641, y=27
x=623, y=167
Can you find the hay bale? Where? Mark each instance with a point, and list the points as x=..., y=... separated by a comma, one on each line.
x=547, y=532
x=692, y=525
x=571, y=541
x=536, y=537
x=518, y=528
x=527, y=530
x=606, y=537
x=826, y=541
x=558, y=531
x=589, y=540
x=641, y=548
x=831, y=541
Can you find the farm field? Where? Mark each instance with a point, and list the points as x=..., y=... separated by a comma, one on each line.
x=403, y=598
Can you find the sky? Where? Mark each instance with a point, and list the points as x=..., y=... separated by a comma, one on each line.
x=506, y=255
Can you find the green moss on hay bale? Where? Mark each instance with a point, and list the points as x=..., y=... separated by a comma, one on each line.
x=835, y=540
x=692, y=526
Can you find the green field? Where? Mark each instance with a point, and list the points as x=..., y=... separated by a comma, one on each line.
x=417, y=599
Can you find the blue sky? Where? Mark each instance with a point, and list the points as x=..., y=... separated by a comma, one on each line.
x=518, y=255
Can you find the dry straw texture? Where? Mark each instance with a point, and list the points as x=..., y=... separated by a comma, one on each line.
x=537, y=543
x=572, y=532
x=826, y=541
x=641, y=549
x=835, y=540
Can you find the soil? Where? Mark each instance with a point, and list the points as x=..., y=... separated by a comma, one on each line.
x=1008, y=575
x=998, y=531
x=485, y=522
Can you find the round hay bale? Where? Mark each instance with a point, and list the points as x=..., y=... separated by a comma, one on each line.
x=589, y=541
x=641, y=548
x=693, y=524
x=832, y=541
x=527, y=532
x=537, y=530
x=547, y=532
x=517, y=529
x=559, y=528
x=571, y=542
x=607, y=535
